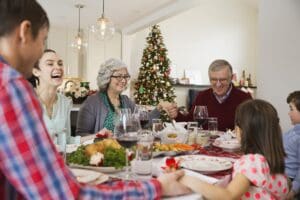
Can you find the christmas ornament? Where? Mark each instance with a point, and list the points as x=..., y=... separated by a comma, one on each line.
x=141, y=90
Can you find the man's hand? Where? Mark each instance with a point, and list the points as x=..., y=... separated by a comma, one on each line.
x=170, y=108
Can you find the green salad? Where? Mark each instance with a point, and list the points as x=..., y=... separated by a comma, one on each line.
x=112, y=157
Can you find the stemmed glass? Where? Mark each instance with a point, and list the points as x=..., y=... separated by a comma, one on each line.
x=200, y=115
x=143, y=115
x=126, y=133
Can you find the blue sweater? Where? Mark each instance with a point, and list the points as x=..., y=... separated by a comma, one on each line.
x=291, y=141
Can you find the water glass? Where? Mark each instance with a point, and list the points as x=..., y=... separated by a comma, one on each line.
x=192, y=132
x=143, y=162
x=213, y=125
x=202, y=137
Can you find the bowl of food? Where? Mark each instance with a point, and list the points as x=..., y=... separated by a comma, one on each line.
x=173, y=136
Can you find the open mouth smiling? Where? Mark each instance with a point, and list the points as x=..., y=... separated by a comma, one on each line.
x=56, y=75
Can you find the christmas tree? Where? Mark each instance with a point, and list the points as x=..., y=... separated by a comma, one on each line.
x=153, y=84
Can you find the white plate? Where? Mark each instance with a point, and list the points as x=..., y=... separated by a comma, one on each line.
x=227, y=145
x=216, y=133
x=88, y=176
x=98, y=169
x=204, y=164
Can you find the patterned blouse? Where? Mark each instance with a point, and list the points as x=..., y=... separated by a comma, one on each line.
x=263, y=184
x=109, y=122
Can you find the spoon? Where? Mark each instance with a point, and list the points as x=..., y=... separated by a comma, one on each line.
x=174, y=123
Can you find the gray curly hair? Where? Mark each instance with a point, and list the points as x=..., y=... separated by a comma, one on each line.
x=106, y=70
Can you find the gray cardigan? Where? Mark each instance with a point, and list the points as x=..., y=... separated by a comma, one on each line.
x=93, y=112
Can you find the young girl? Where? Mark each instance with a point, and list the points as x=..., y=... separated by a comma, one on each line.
x=259, y=174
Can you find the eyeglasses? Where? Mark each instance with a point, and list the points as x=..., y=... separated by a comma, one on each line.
x=221, y=80
x=121, y=77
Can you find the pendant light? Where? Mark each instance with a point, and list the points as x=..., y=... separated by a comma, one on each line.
x=104, y=28
x=79, y=41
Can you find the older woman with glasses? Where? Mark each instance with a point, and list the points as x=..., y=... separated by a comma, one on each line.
x=221, y=99
x=99, y=110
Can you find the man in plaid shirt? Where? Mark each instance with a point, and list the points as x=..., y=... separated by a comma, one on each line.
x=30, y=166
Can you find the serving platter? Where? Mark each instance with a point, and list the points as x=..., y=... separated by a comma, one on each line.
x=204, y=164
x=108, y=170
x=173, y=153
x=172, y=149
x=88, y=176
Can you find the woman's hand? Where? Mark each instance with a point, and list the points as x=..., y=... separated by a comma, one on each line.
x=171, y=186
x=103, y=131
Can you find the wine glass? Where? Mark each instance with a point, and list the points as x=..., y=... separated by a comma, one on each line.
x=143, y=115
x=126, y=133
x=200, y=115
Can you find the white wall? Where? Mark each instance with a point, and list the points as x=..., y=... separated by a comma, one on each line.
x=86, y=63
x=98, y=52
x=59, y=39
x=279, y=69
x=215, y=29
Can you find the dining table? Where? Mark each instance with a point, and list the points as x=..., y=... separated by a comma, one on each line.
x=221, y=178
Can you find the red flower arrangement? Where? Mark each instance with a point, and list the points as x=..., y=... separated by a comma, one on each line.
x=171, y=165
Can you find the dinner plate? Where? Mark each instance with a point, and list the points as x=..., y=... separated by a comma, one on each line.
x=88, y=176
x=98, y=169
x=204, y=164
x=227, y=145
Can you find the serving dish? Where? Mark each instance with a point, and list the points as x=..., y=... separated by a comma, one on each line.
x=98, y=169
x=88, y=176
x=227, y=145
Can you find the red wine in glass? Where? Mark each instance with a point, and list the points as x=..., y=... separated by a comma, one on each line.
x=144, y=122
x=127, y=141
x=201, y=121
x=126, y=133
x=200, y=115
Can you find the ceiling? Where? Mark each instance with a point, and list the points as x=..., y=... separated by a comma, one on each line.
x=129, y=15
x=121, y=12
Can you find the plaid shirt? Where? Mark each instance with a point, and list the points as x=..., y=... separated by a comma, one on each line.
x=30, y=166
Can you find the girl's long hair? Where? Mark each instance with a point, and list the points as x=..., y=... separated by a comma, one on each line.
x=261, y=132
